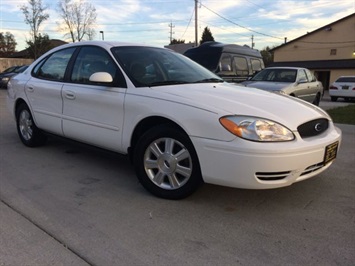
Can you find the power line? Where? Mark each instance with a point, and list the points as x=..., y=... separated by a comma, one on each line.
x=239, y=24
x=188, y=24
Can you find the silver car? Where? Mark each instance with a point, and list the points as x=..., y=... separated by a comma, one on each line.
x=293, y=81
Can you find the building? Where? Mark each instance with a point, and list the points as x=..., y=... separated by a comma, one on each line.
x=329, y=52
x=180, y=47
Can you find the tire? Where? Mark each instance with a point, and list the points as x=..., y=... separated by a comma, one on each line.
x=27, y=130
x=166, y=163
x=317, y=99
x=333, y=98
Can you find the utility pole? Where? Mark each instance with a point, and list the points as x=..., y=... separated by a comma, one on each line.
x=196, y=37
x=252, y=42
x=171, y=26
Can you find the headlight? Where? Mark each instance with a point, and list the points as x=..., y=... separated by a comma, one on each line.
x=256, y=129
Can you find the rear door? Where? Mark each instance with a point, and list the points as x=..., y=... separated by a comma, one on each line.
x=92, y=112
x=44, y=90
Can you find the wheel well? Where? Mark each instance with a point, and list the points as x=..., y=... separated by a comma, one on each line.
x=146, y=124
x=18, y=103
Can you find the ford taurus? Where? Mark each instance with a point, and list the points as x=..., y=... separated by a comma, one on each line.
x=181, y=124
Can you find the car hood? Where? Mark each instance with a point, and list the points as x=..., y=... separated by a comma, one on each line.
x=267, y=85
x=228, y=99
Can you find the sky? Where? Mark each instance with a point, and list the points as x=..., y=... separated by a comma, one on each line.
x=267, y=22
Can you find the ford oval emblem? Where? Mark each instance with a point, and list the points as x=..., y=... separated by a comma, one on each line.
x=318, y=127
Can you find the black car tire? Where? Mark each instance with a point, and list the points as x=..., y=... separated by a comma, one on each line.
x=317, y=99
x=333, y=98
x=166, y=163
x=27, y=130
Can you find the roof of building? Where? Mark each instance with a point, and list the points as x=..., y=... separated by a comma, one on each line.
x=319, y=64
x=326, y=27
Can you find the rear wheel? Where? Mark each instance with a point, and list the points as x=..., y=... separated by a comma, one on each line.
x=333, y=98
x=27, y=130
x=166, y=163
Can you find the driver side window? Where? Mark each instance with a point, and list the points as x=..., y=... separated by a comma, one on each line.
x=93, y=59
x=302, y=76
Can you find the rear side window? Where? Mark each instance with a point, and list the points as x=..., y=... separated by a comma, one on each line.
x=54, y=66
x=241, y=66
x=346, y=79
x=225, y=64
x=310, y=76
x=256, y=65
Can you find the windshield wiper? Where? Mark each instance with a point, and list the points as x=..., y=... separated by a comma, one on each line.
x=213, y=80
x=167, y=82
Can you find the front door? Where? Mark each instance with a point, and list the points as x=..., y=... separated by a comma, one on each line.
x=93, y=113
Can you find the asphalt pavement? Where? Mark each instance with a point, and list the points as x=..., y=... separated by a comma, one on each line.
x=70, y=204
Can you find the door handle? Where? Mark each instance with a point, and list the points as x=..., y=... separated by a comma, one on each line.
x=70, y=95
x=30, y=89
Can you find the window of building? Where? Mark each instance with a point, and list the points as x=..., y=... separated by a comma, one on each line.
x=333, y=51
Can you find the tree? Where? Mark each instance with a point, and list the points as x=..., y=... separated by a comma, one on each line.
x=7, y=44
x=175, y=41
x=35, y=15
x=206, y=36
x=268, y=57
x=39, y=46
x=79, y=19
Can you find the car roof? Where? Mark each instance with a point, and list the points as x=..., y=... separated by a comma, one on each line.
x=295, y=68
x=104, y=44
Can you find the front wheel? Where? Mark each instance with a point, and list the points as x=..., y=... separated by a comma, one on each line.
x=27, y=130
x=166, y=163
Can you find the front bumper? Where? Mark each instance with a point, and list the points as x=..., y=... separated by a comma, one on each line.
x=255, y=165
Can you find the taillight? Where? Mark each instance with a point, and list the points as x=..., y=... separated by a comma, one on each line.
x=333, y=88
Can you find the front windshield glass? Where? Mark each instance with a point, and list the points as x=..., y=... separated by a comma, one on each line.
x=149, y=66
x=276, y=75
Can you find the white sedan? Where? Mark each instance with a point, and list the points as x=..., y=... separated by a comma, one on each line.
x=180, y=123
x=343, y=87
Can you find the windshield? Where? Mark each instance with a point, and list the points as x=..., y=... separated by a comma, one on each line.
x=276, y=75
x=148, y=66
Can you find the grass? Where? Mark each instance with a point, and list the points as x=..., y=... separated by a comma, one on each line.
x=343, y=115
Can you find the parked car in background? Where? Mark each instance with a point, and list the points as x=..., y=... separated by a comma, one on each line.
x=293, y=81
x=343, y=87
x=10, y=69
x=233, y=63
x=180, y=123
x=5, y=76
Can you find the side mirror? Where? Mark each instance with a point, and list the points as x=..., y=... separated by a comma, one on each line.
x=102, y=77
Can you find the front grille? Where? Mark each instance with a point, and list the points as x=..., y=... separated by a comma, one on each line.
x=313, y=128
x=270, y=176
x=312, y=168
